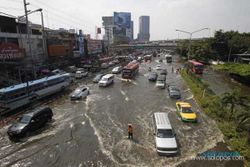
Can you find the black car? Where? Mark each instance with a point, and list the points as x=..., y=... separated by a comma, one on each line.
x=97, y=78
x=174, y=92
x=163, y=72
x=30, y=122
x=152, y=76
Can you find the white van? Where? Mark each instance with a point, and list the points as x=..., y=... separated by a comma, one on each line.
x=164, y=135
x=106, y=80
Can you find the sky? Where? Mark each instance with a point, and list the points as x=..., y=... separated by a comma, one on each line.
x=165, y=15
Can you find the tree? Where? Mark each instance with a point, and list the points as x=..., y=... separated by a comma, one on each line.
x=243, y=120
x=232, y=100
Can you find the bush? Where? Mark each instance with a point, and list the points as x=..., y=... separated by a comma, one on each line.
x=212, y=106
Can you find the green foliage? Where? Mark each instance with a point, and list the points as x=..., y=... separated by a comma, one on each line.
x=199, y=50
x=213, y=106
x=233, y=100
x=234, y=68
x=219, y=47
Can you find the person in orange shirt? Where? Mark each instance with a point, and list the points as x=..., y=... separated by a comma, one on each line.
x=130, y=131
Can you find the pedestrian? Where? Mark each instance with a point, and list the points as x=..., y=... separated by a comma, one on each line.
x=130, y=131
x=172, y=69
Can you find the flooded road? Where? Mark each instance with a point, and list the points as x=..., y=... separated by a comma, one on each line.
x=93, y=131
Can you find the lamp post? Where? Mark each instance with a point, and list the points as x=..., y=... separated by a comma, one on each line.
x=43, y=35
x=191, y=34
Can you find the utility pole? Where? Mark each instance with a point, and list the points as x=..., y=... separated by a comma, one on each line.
x=44, y=38
x=29, y=39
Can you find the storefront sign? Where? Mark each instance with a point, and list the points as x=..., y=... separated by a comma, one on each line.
x=10, y=52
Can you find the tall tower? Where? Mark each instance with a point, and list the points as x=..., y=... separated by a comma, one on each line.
x=144, y=29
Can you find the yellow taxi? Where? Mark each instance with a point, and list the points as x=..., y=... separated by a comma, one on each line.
x=185, y=111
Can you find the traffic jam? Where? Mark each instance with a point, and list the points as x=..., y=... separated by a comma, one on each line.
x=136, y=111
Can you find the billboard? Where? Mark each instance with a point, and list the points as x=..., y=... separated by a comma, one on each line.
x=56, y=50
x=10, y=52
x=122, y=19
x=94, y=46
x=119, y=31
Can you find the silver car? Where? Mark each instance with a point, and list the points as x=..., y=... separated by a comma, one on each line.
x=164, y=135
x=80, y=92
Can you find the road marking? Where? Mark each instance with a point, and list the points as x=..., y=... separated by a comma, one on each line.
x=109, y=97
x=124, y=94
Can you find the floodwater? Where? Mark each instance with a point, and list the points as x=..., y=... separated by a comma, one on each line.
x=221, y=82
x=93, y=131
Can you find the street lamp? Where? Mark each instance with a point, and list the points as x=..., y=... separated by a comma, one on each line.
x=43, y=33
x=191, y=34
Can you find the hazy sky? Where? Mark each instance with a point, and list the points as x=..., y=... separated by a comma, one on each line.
x=165, y=15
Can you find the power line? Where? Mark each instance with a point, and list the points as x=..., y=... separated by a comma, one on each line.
x=61, y=11
x=62, y=17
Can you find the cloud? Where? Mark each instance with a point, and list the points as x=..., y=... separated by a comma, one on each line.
x=165, y=15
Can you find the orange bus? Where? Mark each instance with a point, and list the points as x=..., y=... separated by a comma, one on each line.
x=195, y=67
x=130, y=70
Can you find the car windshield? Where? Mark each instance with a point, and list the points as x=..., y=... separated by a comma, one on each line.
x=165, y=133
x=174, y=89
x=187, y=110
x=98, y=76
x=104, y=79
x=25, y=119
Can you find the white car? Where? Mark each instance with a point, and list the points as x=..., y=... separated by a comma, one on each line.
x=117, y=70
x=106, y=80
x=158, y=67
x=80, y=92
x=80, y=74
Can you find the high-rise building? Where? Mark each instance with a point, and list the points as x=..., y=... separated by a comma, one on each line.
x=144, y=35
x=108, y=25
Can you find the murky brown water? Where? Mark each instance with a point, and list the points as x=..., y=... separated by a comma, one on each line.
x=93, y=132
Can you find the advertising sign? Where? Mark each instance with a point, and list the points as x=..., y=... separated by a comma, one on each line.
x=122, y=19
x=119, y=31
x=10, y=52
x=94, y=46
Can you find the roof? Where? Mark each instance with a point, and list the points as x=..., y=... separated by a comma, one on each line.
x=184, y=104
x=108, y=76
x=168, y=55
x=162, y=120
x=35, y=111
x=131, y=65
x=161, y=78
x=23, y=85
x=195, y=62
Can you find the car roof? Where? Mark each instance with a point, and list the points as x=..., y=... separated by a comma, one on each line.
x=184, y=104
x=108, y=75
x=162, y=120
x=35, y=111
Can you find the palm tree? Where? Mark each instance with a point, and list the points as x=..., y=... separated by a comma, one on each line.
x=234, y=99
x=244, y=122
